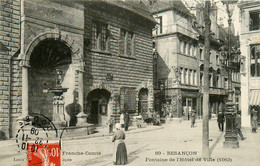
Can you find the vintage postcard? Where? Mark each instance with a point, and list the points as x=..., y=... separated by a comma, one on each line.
x=129, y=82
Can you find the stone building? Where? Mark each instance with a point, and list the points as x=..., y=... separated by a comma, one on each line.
x=218, y=73
x=179, y=41
x=177, y=65
x=98, y=53
x=250, y=64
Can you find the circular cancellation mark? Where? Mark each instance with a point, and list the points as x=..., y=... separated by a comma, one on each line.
x=33, y=138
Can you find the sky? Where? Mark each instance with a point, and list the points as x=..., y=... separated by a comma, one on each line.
x=222, y=13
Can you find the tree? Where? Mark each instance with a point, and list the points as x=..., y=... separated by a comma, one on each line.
x=205, y=127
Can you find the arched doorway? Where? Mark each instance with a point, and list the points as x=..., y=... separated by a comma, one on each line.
x=48, y=56
x=143, y=101
x=98, y=100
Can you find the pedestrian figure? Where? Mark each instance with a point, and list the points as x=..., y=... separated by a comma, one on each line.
x=238, y=126
x=126, y=119
x=122, y=120
x=149, y=116
x=111, y=123
x=139, y=121
x=254, y=120
x=193, y=117
x=120, y=152
x=221, y=120
x=156, y=119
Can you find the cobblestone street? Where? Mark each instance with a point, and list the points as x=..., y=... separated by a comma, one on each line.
x=172, y=143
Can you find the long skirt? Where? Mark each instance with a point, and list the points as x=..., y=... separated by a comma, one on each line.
x=120, y=153
x=254, y=124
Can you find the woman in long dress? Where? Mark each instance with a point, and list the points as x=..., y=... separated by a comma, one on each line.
x=120, y=152
x=254, y=120
x=122, y=120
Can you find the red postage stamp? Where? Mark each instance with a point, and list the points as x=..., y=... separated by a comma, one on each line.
x=44, y=155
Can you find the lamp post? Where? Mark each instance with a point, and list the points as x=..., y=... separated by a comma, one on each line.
x=230, y=113
x=162, y=88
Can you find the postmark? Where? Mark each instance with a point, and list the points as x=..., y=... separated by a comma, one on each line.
x=33, y=137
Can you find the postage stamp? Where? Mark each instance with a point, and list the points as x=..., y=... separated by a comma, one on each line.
x=44, y=154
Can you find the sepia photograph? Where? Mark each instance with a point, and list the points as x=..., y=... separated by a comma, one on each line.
x=129, y=82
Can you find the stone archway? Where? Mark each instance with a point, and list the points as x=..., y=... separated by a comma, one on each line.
x=26, y=59
x=48, y=56
x=56, y=35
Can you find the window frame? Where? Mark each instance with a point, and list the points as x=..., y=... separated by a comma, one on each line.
x=125, y=49
x=254, y=60
x=100, y=37
x=251, y=21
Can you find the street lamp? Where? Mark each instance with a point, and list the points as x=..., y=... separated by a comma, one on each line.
x=162, y=88
x=230, y=113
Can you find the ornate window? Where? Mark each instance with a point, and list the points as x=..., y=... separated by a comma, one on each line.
x=127, y=43
x=100, y=36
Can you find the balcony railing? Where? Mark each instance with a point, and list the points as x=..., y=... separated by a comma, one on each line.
x=174, y=28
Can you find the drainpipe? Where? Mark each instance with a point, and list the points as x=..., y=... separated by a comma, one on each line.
x=9, y=97
x=24, y=65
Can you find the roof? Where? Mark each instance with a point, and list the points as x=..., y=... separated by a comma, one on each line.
x=137, y=7
x=248, y=4
x=223, y=35
x=164, y=5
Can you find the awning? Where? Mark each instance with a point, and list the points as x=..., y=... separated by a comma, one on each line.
x=254, y=97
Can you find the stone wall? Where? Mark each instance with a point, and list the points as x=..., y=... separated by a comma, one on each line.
x=71, y=23
x=127, y=72
x=9, y=91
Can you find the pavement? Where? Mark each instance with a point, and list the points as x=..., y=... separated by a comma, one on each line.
x=151, y=145
x=103, y=131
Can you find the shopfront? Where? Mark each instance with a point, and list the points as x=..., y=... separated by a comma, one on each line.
x=177, y=103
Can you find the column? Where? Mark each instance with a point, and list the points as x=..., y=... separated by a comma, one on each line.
x=245, y=85
x=25, y=93
x=82, y=117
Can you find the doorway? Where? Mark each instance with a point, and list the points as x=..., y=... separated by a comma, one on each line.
x=98, y=100
x=94, y=112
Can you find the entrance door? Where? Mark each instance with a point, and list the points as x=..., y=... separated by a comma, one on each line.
x=97, y=106
x=94, y=112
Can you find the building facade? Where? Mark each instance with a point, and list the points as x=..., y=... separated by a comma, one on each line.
x=177, y=90
x=250, y=64
x=179, y=40
x=101, y=58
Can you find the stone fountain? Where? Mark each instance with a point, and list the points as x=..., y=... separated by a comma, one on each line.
x=58, y=116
